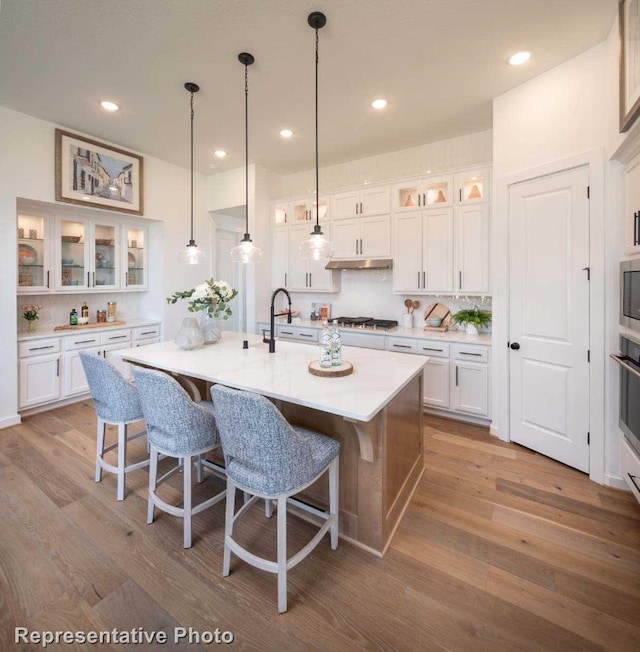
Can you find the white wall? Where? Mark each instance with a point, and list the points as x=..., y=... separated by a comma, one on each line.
x=565, y=114
x=27, y=170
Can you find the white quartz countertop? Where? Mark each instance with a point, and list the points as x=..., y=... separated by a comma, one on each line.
x=47, y=331
x=452, y=335
x=377, y=375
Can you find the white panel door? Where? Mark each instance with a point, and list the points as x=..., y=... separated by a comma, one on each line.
x=75, y=381
x=345, y=205
x=549, y=315
x=39, y=379
x=435, y=382
x=298, y=274
x=375, y=236
x=472, y=249
x=407, y=256
x=346, y=238
x=470, y=388
x=375, y=201
x=437, y=250
x=279, y=258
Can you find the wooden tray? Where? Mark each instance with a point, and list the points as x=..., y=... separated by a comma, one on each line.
x=437, y=310
x=344, y=369
x=94, y=324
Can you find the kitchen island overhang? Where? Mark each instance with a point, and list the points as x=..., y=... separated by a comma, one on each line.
x=375, y=413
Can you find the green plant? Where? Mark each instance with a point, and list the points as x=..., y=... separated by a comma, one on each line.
x=474, y=316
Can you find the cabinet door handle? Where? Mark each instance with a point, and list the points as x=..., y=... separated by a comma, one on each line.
x=460, y=194
x=636, y=228
x=356, y=245
x=424, y=279
x=88, y=279
x=418, y=279
x=361, y=211
x=424, y=199
x=456, y=375
x=94, y=279
x=47, y=278
x=58, y=367
x=356, y=208
x=361, y=252
x=126, y=280
x=310, y=283
x=418, y=199
x=460, y=280
x=285, y=279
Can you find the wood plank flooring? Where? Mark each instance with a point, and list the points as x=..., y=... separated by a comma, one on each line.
x=501, y=549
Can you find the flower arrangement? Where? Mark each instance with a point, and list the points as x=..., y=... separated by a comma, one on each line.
x=31, y=312
x=212, y=297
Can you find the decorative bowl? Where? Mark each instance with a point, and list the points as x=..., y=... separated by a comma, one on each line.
x=435, y=321
x=27, y=255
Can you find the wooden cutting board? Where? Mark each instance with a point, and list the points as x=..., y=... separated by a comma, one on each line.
x=95, y=324
x=437, y=310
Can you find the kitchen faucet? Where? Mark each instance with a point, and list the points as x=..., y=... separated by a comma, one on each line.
x=272, y=338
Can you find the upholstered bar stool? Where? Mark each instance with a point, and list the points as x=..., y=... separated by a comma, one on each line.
x=116, y=402
x=269, y=458
x=179, y=428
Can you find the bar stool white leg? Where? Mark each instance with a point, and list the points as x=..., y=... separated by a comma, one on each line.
x=100, y=448
x=282, y=554
x=122, y=458
x=228, y=525
x=153, y=478
x=268, y=508
x=186, y=470
x=199, y=474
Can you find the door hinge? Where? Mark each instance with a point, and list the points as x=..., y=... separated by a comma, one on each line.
x=589, y=355
x=588, y=192
x=588, y=439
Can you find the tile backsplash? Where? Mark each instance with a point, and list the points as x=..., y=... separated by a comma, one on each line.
x=56, y=307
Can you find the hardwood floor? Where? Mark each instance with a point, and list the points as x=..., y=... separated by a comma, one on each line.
x=501, y=549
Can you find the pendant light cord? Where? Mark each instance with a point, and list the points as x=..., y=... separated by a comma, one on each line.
x=317, y=185
x=191, y=241
x=246, y=151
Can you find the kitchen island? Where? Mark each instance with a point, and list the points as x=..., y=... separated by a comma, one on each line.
x=375, y=413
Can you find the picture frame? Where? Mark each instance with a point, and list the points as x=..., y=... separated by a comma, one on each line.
x=91, y=173
x=322, y=311
x=629, y=75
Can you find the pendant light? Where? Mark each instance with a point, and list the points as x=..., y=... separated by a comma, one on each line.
x=246, y=251
x=191, y=255
x=317, y=247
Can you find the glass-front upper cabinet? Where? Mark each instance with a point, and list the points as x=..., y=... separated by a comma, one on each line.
x=135, y=276
x=34, y=264
x=473, y=187
x=87, y=253
x=430, y=192
x=297, y=212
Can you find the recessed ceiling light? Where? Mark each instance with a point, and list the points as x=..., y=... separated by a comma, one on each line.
x=379, y=103
x=220, y=153
x=109, y=106
x=286, y=133
x=519, y=58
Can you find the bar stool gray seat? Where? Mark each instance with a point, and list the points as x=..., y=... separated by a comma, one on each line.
x=116, y=402
x=269, y=458
x=179, y=428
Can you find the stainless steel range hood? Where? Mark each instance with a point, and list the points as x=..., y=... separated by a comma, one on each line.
x=365, y=263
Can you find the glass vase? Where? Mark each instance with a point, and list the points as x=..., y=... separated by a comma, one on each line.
x=210, y=327
x=31, y=325
x=189, y=335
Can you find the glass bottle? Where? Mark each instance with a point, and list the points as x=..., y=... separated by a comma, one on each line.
x=336, y=345
x=73, y=317
x=325, y=346
x=84, y=311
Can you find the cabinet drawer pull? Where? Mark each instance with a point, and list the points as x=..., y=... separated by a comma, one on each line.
x=306, y=335
x=465, y=353
x=42, y=348
x=149, y=333
x=286, y=332
x=426, y=348
x=86, y=342
x=118, y=337
x=401, y=346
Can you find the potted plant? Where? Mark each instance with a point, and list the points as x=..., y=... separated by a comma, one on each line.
x=472, y=319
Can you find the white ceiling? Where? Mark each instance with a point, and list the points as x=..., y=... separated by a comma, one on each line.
x=438, y=63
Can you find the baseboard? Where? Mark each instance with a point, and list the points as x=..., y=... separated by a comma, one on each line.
x=616, y=482
x=458, y=416
x=7, y=422
x=56, y=404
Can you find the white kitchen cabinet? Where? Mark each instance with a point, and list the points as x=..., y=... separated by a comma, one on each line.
x=473, y=186
x=472, y=249
x=299, y=211
x=632, y=206
x=362, y=237
x=39, y=372
x=423, y=251
x=293, y=272
x=375, y=200
x=435, y=384
x=87, y=254
x=134, y=258
x=296, y=333
x=470, y=379
x=35, y=251
x=429, y=192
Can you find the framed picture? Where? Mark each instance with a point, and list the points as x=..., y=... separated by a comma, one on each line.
x=94, y=174
x=629, y=21
x=322, y=311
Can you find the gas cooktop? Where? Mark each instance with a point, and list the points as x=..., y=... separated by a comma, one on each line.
x=367, y=322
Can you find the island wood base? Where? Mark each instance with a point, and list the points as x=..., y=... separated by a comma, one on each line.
x=373, y=494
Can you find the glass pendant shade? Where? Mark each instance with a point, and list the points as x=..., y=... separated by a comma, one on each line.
x=246, y=252
x=317, y=247
x=191, y=255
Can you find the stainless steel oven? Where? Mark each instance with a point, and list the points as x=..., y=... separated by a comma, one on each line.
x=630, y=294
x=629, y=361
